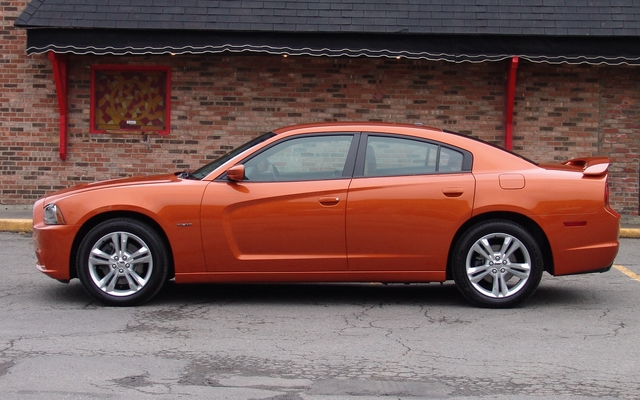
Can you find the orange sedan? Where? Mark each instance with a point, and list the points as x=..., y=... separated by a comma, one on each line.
x=342, y=202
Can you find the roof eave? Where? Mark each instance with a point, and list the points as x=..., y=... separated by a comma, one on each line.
x=452, y=48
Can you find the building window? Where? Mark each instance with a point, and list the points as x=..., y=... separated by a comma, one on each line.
x=130, y=99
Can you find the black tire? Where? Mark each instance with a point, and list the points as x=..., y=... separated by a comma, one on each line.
x=497, y=264
x=106, y=270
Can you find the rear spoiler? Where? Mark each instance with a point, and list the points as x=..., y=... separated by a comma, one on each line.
x=591, y=166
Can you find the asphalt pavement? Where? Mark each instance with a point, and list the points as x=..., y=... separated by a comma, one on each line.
x=576, y=338
x=19, y=219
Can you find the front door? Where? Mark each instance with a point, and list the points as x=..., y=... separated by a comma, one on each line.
x=287, y=215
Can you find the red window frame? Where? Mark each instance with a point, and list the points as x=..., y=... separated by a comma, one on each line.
x=136, y=69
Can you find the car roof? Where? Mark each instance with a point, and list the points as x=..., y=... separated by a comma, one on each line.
x=355, y=127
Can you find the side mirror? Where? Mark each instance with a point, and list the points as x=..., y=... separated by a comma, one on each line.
x=236, y=173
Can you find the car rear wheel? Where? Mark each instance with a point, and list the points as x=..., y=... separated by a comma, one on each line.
x=122, y=262
x=497, y=264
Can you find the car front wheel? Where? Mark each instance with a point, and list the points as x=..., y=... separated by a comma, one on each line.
x=497, y=264
x=122, y=262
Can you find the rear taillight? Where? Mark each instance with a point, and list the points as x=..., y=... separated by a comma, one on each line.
x=606, y=192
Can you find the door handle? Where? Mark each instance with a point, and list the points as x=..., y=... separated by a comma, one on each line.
x=453, y=191
x=329, y=200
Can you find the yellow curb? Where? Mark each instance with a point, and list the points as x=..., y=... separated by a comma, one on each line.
x=16, y=225
x=630, y=233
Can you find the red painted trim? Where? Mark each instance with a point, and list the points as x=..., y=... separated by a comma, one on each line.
x=116, y=67
x=60, y=77
x=510, y=100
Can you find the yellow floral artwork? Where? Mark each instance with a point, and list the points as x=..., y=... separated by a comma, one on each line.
x=130, y=100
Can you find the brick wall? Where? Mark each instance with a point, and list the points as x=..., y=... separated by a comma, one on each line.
x=572, y=111
x=219, y=101
x=619, y=134
x=27, y=113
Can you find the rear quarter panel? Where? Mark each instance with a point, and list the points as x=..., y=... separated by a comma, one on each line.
x=582, y=232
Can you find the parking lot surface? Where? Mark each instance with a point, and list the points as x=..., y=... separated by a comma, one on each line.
x=576, y=338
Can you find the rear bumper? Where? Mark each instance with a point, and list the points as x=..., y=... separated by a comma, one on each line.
x=584, y=243
x=597, y=271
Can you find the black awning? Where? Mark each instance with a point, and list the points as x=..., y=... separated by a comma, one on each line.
x=452, y=48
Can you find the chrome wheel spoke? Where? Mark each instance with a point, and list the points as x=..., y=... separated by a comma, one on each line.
x=521, y=271
x=99, y=257
x=483, y=248
x=135, y=281
x=109, y=281
x=500, y=288
x=509, y=247
x=115, y=240
x=478, y=273
x=140, y=256
x=140, y=281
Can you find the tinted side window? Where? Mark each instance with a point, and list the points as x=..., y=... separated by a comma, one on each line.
x=387, y=156
x=450, y=160
x=301, y=159
x=394, y=156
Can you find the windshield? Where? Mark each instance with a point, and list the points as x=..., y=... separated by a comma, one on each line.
x=207, y=169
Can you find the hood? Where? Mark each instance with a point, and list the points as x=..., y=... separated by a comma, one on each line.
x=133, y=181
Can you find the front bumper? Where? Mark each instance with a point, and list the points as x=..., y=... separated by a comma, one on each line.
x=53, y=245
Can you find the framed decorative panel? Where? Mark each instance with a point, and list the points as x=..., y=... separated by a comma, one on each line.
x=130, y=99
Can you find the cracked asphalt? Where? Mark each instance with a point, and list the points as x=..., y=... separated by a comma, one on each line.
x=576, y=338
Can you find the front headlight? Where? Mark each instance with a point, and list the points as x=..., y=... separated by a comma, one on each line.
x=53, y=215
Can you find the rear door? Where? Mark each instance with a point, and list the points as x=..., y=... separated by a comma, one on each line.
x=406, y=201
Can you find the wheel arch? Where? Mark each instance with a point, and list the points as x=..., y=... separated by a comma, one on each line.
x=100, y=218
x=527, y=223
